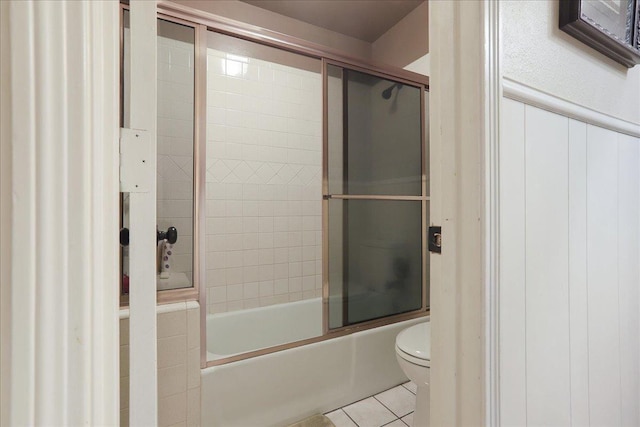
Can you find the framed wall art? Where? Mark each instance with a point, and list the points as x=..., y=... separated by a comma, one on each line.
x=612, y=27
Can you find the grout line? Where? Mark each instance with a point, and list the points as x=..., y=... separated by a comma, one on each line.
x=174, y=394
x=389, y=409
x=348, y=416
x=374, y=397
x=385, y=406
x=407, y=388
x=357, y=401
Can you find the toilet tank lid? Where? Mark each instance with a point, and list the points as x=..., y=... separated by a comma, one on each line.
x=416, y=340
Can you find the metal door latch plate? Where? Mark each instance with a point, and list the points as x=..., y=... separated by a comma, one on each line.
x=435, y=239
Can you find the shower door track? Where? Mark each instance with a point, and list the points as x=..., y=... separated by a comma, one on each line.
x=278, y=40
x=203, y=22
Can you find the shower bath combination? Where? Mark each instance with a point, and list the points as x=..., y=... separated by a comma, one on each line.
x=304, y=198
x=368, y=224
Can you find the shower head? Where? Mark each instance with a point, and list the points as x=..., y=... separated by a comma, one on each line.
x=386, y=94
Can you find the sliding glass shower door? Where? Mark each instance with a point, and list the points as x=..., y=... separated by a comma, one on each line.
x=376, y=197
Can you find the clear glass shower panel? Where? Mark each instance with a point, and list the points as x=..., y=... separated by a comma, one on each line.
x=264, y=197
x=175, y=148
x=375, y=259
x=375, y=129
x=176, y=88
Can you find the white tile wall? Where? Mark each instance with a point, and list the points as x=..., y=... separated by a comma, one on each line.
x=569, y=297
x=264, y=155
x=175, y=143
x=178, y=366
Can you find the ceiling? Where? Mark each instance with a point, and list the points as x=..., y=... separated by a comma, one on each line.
x=362, y=19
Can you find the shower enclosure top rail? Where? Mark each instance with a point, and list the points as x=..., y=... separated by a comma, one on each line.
x=283, y=41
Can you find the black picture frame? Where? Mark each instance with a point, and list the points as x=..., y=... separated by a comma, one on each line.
x=587, y=29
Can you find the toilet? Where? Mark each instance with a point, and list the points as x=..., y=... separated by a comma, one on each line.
x=413, y=351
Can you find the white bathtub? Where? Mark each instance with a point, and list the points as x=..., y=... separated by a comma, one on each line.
x=245, y=330
x=280, y=388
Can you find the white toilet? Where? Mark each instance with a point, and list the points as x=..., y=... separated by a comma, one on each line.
x=413, y=351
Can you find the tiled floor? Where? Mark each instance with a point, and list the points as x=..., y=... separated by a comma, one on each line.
x=391, y=408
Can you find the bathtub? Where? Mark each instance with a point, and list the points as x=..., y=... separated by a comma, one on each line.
x=280, y=388
x=245, y=330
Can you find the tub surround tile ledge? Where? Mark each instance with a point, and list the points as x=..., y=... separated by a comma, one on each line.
x=165, y=308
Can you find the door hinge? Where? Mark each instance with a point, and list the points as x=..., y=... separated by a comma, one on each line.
x=136, y=174
x=435, y=239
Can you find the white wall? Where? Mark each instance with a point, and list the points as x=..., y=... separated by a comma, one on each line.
x=569, y=228
x=406, y=41
x=537, y=53
x=569, y=297
x=247, y=13
x=421, y=65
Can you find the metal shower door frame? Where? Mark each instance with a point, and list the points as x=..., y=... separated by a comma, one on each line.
x=208, y=22
x=424, y=197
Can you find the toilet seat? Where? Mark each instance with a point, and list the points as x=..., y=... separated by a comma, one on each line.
x=414, y=344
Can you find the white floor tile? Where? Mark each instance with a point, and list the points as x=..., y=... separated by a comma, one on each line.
x=369, y=413
x=396, y=423
x=400, y=400
x=411, y=387
x=408, y=420
x=340, y=419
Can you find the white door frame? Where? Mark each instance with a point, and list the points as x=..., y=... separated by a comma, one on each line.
x=143, y=364
x=465, y=112
x=59, y=213
x=493, y=89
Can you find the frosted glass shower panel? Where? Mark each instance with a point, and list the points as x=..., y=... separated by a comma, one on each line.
x=377, y=197
x=374, y=135
x=375, y=262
